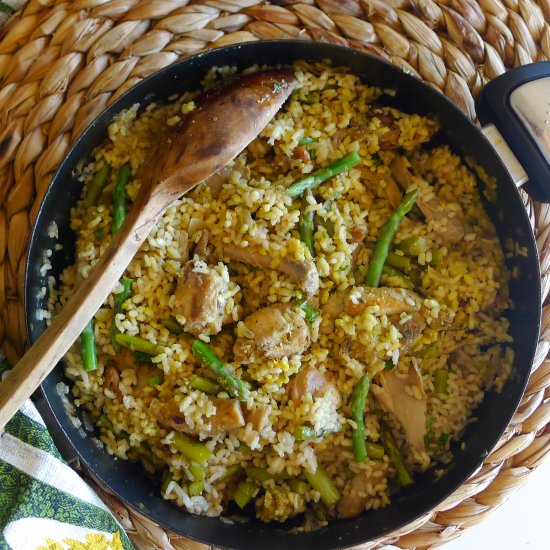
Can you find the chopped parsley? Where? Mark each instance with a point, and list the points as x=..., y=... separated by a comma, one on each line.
x=310, y=311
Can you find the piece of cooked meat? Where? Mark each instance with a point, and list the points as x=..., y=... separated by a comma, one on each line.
x=258, y=417
x=410, y=327
x=355, y=350
x=410, y=410
x=383, y=184
x=451, y=228
x=355, y=300
x=273, y=332
x=228, y=417
x=304, y=273
x=144, y=372
x=199, y=297
x=390, y=301
x=313, y=381
x=111, y=380
x=353, y=503
x=387, y=135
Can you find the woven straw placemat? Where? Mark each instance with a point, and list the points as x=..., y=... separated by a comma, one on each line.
x=61, y=63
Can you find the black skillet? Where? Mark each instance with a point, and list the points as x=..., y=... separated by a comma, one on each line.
x=128, y=481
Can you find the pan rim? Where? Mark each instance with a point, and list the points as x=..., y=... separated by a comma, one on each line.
x=104, y=119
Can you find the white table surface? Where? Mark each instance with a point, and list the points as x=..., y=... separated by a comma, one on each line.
x=520, y=523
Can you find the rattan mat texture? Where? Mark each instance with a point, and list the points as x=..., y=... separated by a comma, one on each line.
x=61, y=63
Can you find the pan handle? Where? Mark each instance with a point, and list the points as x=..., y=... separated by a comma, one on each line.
x=518, y=103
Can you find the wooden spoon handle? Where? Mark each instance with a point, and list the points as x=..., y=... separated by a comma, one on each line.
x=41, y=358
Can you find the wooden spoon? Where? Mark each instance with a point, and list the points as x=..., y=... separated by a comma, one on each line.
x=209, y=137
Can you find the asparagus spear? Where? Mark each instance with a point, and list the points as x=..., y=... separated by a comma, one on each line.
x=403, y=263
x=195, y=488
x=359, y=400
x=119, y=197
x=374, y=450
x=322, y=483
x=120, y=298
x=230, y=471
x=403, y=475
x=135, y=343
x=197, y=471
x=319, y=176
x=298, y=486
x=413, y=246
x=205, y=385
x=387, y=234
x=246, y=491
x=231, y=383
x=389, y=273
x=193, y=450
x=173, y=326
x=303, y=433
x=306, y=224
x=88, y=347
x=440, y=380
x=154, y=380
x=96, y=185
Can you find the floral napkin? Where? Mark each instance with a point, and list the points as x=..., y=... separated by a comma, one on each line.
x=44, y=504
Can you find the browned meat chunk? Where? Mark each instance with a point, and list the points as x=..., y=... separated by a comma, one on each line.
x=410, y=327
x=353, y=503
x=383, y=184
x=273, y=332
x=144, y=373
x=228, y=417
x=390, y=301
x=387, y=134
x=258, y=417
x=200, y=298
x=111, y=380
x=451, y=227
x=331, y=309
x=313, y=381
x=304, y=273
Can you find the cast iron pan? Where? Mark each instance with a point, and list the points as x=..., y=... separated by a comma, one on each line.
x=128, y=481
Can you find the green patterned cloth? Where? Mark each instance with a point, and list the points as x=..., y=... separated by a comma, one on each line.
x=45, y=504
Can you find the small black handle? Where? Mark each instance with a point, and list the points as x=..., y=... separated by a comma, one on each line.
x=505, y=101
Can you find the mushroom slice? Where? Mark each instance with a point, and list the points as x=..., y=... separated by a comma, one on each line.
x=272, y=333
x=408, y=407
x=199, y=297
x=304, y=273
